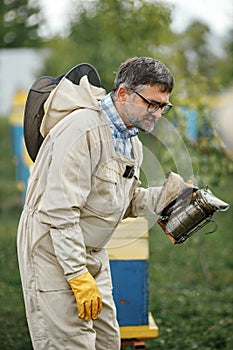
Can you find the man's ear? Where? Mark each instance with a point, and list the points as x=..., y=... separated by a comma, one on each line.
x=122, y=94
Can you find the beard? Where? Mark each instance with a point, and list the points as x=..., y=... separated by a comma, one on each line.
x=145, y=123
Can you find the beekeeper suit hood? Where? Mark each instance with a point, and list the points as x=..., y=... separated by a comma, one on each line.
x=67, y=97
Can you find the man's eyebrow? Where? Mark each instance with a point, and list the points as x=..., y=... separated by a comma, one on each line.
x=153, y=101
x=157, y=102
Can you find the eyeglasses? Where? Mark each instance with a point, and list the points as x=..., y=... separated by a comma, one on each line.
x=155, y=105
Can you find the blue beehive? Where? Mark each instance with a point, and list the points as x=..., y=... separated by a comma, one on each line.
x=130, y=291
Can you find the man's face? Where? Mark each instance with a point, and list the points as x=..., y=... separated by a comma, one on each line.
x=134, y=111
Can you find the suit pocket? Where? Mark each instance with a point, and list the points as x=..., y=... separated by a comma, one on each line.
x=48, y=272
x=104, y=197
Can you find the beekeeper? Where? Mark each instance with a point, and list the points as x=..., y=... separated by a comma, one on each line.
x=85, y=180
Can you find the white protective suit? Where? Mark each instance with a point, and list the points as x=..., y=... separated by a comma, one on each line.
x=76, y=197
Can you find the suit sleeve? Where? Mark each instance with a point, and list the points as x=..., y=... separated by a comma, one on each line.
x=143, y=202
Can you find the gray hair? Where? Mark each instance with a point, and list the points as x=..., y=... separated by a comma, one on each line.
x=138, y=71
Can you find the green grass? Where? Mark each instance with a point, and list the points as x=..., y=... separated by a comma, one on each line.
x=13, y=328
x=191, y=293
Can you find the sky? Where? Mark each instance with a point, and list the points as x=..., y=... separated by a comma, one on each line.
x=218, y=14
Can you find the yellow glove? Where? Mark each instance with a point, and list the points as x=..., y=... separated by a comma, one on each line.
x=87, y=296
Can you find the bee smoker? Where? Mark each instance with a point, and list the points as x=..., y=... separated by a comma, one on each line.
x=184, y=209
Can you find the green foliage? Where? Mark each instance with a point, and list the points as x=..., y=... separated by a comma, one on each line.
x=225, y=63
x=194, y=64
x=20, y=23
x=105, y=33
x=108, y=32
x=210, y=161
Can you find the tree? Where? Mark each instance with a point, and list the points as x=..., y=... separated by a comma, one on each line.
x=20, y=23
x=225, y=63
x=195, y=65
x=109, y=31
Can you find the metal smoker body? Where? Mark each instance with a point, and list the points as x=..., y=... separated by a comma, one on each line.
x=185, y=209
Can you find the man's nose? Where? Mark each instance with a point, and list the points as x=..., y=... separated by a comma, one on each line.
x=157, y=114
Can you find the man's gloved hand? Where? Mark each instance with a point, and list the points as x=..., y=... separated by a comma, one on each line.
x=87, y=296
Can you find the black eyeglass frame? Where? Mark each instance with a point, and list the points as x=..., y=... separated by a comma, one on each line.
x=159, y=105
